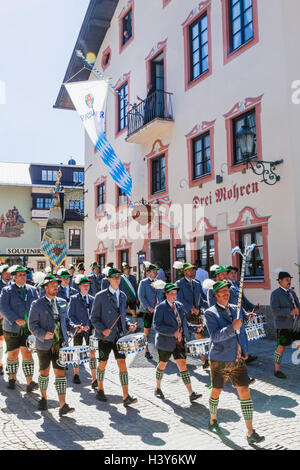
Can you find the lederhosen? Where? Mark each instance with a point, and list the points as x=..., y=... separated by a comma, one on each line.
x=179, y=351
x=52, y=355
x=18, y=340
x=105, y=347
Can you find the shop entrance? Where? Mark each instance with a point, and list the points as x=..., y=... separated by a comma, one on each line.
x=160, y=253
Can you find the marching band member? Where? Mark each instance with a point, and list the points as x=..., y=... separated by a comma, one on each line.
x=171, y=333
x=149, y=297
x=79, y=309
x=95, y=278
x=64, y=290
x=286, y=310
x=227, y=354
x=5, y=280
x=16, y=300
x=108, y=317
x=49, y=323
x=129, y=286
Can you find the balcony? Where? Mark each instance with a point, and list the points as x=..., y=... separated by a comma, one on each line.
x=151, y=118
x=73, y=215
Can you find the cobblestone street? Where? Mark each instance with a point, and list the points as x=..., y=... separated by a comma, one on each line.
x=153, y=424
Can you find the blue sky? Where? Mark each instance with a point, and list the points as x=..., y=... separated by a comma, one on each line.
x=37, y=38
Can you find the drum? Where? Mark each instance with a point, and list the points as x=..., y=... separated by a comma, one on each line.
x=74, y=355
x=198, y=347
x=30, y=343
x=257, y=320
x=132, y=343
x=94, y=343
x=255, y=332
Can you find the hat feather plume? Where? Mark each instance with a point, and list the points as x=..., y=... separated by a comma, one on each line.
x=147, y=263
x=208, y=284
x=106, y=270
x=159, y=284
x=12, y=268
x=214, y=267
x=178, y=265
x=38, y=277
x=78, y=278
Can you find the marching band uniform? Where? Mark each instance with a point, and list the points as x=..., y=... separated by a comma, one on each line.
x=168, y=319
x=79, y=310
x=50, y=315
x=96, y=280
x=66, y=293
x=283, y=301
x=109, y=313
x=3, y=271
x=227, y=351
x=149, y=297
x=129, y=286
x=15, y=305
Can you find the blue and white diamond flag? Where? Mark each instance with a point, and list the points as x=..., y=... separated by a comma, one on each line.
x=89, y=99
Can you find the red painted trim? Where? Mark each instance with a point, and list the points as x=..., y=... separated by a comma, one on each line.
x=122, y=80
x=197, y=131
x=227, y=55
x=194, y=14
x=117, y=206
x=239, y=226
x=130, y=5
x=104, y=54
x=203, y=228
x=123, y=245
x=157, y=149
x=165, y=3
x=238, y=110
x=100, y=250
x=101, y=180
x=155, y=51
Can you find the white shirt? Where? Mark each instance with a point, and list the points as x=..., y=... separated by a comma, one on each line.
x=117, y=292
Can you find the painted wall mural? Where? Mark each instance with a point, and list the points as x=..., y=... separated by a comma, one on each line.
x=11, y=224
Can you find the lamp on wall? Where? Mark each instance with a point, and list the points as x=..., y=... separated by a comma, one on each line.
x=246, y=143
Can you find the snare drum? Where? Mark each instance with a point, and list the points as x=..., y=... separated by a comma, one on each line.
x=74, y=355
x=30, y=343
x=255, y=332
x=132, y=343
x=94, y=343
x=198, y=347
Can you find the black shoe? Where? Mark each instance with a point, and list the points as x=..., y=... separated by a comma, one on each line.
x=279, y=374
x=32, y=386
x=205, y=365
x=101, y=396
x=251, y=381
x=250, y=359
x=148, y=355
x=1, y=370
x=215, y=427
x=255, y=438
x=159, y=394
x=42, y=406
x=94, y=384
x=129, y=401
x=11, y=384
x=65, y=410
x=76, y=379
x=194, y=396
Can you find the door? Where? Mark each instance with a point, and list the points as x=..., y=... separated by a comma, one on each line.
x=158, y=84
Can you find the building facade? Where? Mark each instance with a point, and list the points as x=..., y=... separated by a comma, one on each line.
x=25, y=200
x=213, y=67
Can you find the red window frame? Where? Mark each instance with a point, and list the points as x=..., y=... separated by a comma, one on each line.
x=198, y=131
x=130, y=6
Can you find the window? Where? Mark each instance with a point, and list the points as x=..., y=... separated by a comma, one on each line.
x=198, y=47
x=122, y=197
x=101, y=262
x=158, y=174
x=122, y=108
x=127, y=27
x=44, y=175
x=240, y=23
x=201, y=155
x=74, y=239
x=206, y=254
x=49, y=175
x=74, y=205
x=77, y=177
x=39, y=203
x=41, y=265
x=246, y=119
x=255, y=261
x=100, y=197
x=48, y=203
x=124, y=257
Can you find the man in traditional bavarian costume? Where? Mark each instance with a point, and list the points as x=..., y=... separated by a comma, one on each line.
x=64, y=290
x=286, y=310
x=49, y=323
x=79, y=309
x=227, y=354
x=5, y=280
x=149, y=297
x=16, y=300
x=96, y=279
x=192, y=297
x=71, y=270
x=171, y=333
x=129, y=287
x=108, y=317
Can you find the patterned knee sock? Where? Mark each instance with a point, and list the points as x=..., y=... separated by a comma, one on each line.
x=12, y=367
x=185, y=375
x=61, y=385
x=43, y=382
x=28, y=368
x=93, y=363
x=277, y=357
x=123, y=378
x=213, y=405
x=159, y=374
x=100, y=375
x=247, y=409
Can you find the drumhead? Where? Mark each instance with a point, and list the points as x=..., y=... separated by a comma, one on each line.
x=131, y=338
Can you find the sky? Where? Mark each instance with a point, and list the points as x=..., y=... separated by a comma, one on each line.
x=37, y=38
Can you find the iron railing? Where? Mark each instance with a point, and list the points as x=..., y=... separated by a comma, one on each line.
x=158, y=105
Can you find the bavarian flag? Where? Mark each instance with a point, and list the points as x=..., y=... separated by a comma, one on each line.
x=54, y=245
